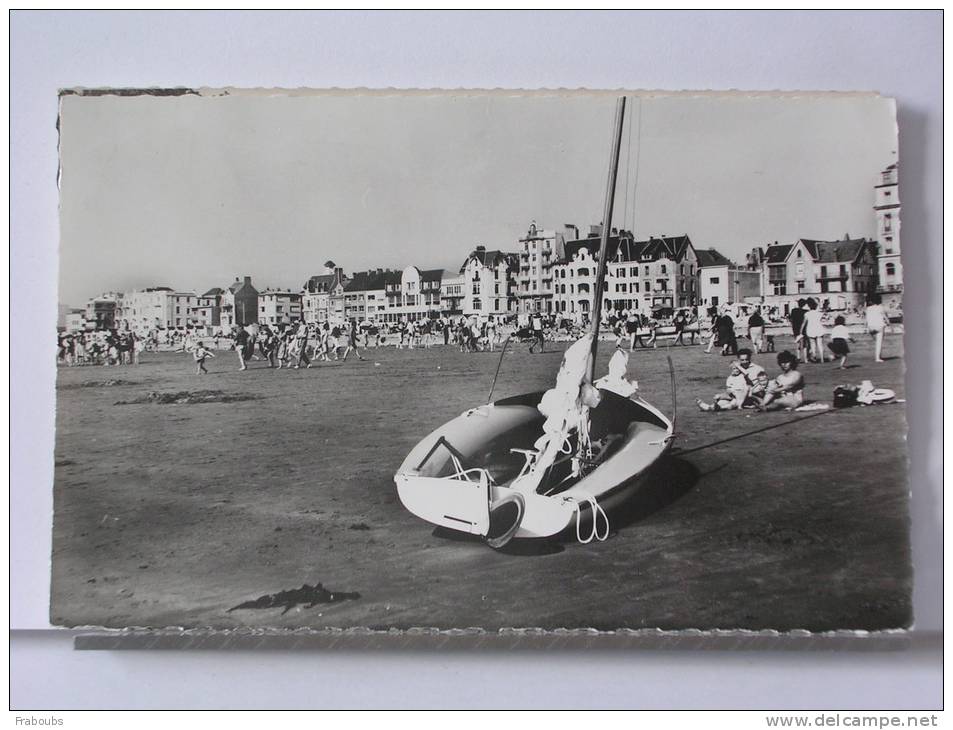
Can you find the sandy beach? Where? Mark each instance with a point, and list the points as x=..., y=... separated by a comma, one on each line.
x=170, y=514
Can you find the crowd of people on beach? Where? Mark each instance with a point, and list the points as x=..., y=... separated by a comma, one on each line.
x=747, y=384
x=101, y=347
x=302, y=345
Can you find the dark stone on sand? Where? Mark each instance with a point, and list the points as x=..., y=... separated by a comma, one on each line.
x=307, y=595
x=188, y=397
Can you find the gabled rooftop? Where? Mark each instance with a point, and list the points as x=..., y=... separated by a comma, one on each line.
x=625, y=248
x=711, y=257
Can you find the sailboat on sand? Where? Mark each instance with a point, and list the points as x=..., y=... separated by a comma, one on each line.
x=537, y=465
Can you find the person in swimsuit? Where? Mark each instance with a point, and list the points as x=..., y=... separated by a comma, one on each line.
x=876, y=324
x=786, y=390
x=813, y=331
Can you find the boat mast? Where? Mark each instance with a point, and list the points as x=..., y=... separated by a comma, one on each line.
x=606, y=226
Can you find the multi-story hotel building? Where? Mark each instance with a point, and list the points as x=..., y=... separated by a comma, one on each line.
x=451, y=294
x=413, y=294
x=538, y=251
x=365, y=296
x=105, y=311
x=489, y=284
x=641, y=276
x=207, y=312
x=279, y=307
x=239, y=304
x=157, y=308
x=721, y=281
x=887, y=209
x=838, y=274
x=322, y=296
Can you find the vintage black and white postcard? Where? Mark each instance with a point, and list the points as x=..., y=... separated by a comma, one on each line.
x=581, y=360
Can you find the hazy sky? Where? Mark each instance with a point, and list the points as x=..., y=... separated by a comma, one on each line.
x=191, y=191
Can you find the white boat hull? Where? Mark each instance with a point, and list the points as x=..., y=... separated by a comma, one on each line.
x=460, y=472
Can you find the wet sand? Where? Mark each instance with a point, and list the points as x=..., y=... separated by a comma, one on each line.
x=170, y=514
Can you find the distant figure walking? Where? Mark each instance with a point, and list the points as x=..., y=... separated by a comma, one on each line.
x=876, y=324
x=680, y=321
x=632, y=323
x=796, y=318
x=712, y=329
x=301, y=346
x=725, y=327
x=352, y=342
x=813, y=330
x=242, y=343
x=756, y=329
x=538, y=338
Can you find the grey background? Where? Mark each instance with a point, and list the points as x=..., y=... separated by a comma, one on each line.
x=896, y=53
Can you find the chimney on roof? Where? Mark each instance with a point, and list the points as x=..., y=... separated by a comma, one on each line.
x=571, y=233
x=481, y=248
x=595, y=231
x=248, y=280
x=236, y=279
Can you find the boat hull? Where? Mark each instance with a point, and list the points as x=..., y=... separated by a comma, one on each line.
x=456, y=474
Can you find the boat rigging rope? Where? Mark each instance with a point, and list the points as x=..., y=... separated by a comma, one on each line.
x=596, y=512
x=498, y=365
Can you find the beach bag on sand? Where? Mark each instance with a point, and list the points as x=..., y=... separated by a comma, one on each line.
x=845, y=396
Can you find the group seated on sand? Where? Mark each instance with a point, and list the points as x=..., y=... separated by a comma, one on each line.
x=748, y=386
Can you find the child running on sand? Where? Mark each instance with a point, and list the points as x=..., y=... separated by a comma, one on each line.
x=839, y=339
x=734, y=395
x=200, y=354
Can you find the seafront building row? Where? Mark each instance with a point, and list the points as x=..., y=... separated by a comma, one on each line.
x=550, y=271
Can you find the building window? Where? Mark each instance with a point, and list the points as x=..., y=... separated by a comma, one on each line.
x=887, y=222
x=715, y=280
x=891, y=269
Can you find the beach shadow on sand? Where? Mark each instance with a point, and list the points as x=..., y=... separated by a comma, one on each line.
x=515, y=547
x=668, y=482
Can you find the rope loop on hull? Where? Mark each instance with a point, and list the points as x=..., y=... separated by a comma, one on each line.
x=597, y=510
